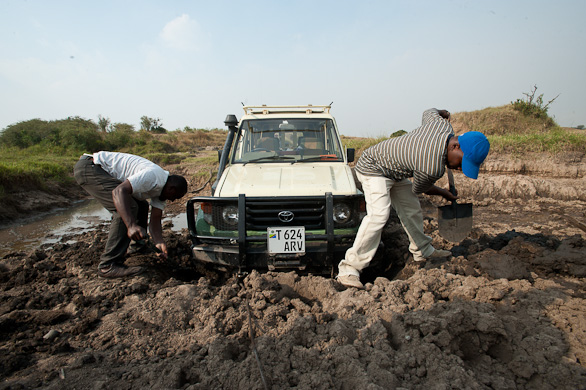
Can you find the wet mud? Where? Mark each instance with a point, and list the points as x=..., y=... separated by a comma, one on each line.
x=505, y=312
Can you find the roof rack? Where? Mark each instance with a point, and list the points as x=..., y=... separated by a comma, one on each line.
x=264, y=109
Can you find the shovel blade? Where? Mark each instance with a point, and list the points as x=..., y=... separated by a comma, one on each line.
x=455, y=221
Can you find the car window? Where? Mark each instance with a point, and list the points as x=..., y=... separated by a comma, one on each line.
x=287, y=140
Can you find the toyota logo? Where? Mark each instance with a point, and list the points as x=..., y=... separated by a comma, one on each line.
x=286, y=216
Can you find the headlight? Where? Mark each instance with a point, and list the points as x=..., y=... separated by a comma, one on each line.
x=230, y=215
x=342, y=213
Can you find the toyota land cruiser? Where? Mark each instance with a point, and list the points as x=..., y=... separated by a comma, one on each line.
x=284, y=196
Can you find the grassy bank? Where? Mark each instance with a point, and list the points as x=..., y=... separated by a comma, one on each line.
x=30, y=159
x=33, y=168
x=510, y=131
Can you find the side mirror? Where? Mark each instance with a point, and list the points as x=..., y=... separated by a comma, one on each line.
x=350, y=154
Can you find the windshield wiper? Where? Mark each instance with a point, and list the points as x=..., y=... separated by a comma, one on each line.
x=319, y=158
x=273, y=157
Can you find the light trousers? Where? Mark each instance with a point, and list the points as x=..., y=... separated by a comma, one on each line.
x=381, y=194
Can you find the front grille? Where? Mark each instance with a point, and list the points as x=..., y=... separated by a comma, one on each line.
x=261, y=214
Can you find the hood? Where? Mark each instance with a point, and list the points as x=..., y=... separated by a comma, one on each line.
x=286, y=180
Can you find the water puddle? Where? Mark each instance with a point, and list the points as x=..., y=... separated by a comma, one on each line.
x=50, y=228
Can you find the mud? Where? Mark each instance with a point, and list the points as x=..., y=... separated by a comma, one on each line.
x=506, y=312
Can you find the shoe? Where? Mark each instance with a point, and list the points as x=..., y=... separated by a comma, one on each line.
x=119, y=271
x=350, y=281
x=439, y=253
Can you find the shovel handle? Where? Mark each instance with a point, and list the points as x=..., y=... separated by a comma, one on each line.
x=451, y=183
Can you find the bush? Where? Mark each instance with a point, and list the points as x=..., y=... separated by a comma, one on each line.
x=398, y=133
x=534, y=106
x=86, y=139
x=119, y=138
x=27, y=133
x=74, y=132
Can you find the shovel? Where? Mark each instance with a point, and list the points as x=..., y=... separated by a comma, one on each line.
x=455, y=220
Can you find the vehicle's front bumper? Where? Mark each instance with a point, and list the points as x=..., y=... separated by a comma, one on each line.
x=248, y=249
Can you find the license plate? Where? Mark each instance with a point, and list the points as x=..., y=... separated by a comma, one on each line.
x=286, y=239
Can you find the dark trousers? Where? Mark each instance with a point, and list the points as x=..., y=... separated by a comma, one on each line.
x=100, y=185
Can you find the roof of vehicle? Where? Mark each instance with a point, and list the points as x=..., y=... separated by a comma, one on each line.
x=307, y=111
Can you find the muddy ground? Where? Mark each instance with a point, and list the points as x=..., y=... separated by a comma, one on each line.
x=506, y=312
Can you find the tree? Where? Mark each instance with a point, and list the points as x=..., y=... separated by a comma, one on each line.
x=104, y=124
x=123, y=127
x=121, y=136
x=153, y=125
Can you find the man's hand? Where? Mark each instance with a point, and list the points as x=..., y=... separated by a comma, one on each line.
x=447, y=195
x=157, y=232
x=444, y=114
x=136, y=232
x=163, y=253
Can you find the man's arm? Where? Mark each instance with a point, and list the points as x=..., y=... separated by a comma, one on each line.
x=122, y=197
x=156, y=231
x=433, y=114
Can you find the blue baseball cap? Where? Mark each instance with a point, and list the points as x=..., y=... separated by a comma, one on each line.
x=475, y=147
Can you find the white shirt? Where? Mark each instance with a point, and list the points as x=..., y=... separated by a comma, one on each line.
x=147, y=178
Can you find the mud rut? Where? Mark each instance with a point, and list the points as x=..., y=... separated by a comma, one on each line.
x=507, y=312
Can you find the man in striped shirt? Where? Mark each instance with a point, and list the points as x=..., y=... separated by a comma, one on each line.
x=384, y=169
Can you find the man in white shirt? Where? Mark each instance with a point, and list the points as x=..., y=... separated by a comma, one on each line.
x=122, y=183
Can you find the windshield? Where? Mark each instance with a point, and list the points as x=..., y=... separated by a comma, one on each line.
x=287, y=140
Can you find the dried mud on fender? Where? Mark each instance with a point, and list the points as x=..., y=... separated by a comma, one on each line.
x=506, y=312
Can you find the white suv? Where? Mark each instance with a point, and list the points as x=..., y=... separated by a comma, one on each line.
x=284, y=198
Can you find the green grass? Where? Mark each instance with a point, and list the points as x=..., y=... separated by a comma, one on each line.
x=31, y=168
x=165, y=158
x=210, y=159
x=554, y=141
x=43, y=165
x=360, y=144
x=510, y=131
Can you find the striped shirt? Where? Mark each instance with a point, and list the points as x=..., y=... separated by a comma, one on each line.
x=420, y=154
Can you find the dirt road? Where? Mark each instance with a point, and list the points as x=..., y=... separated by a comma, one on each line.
x=506, y=312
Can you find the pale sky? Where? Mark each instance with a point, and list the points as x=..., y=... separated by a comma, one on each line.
x=381, y=63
